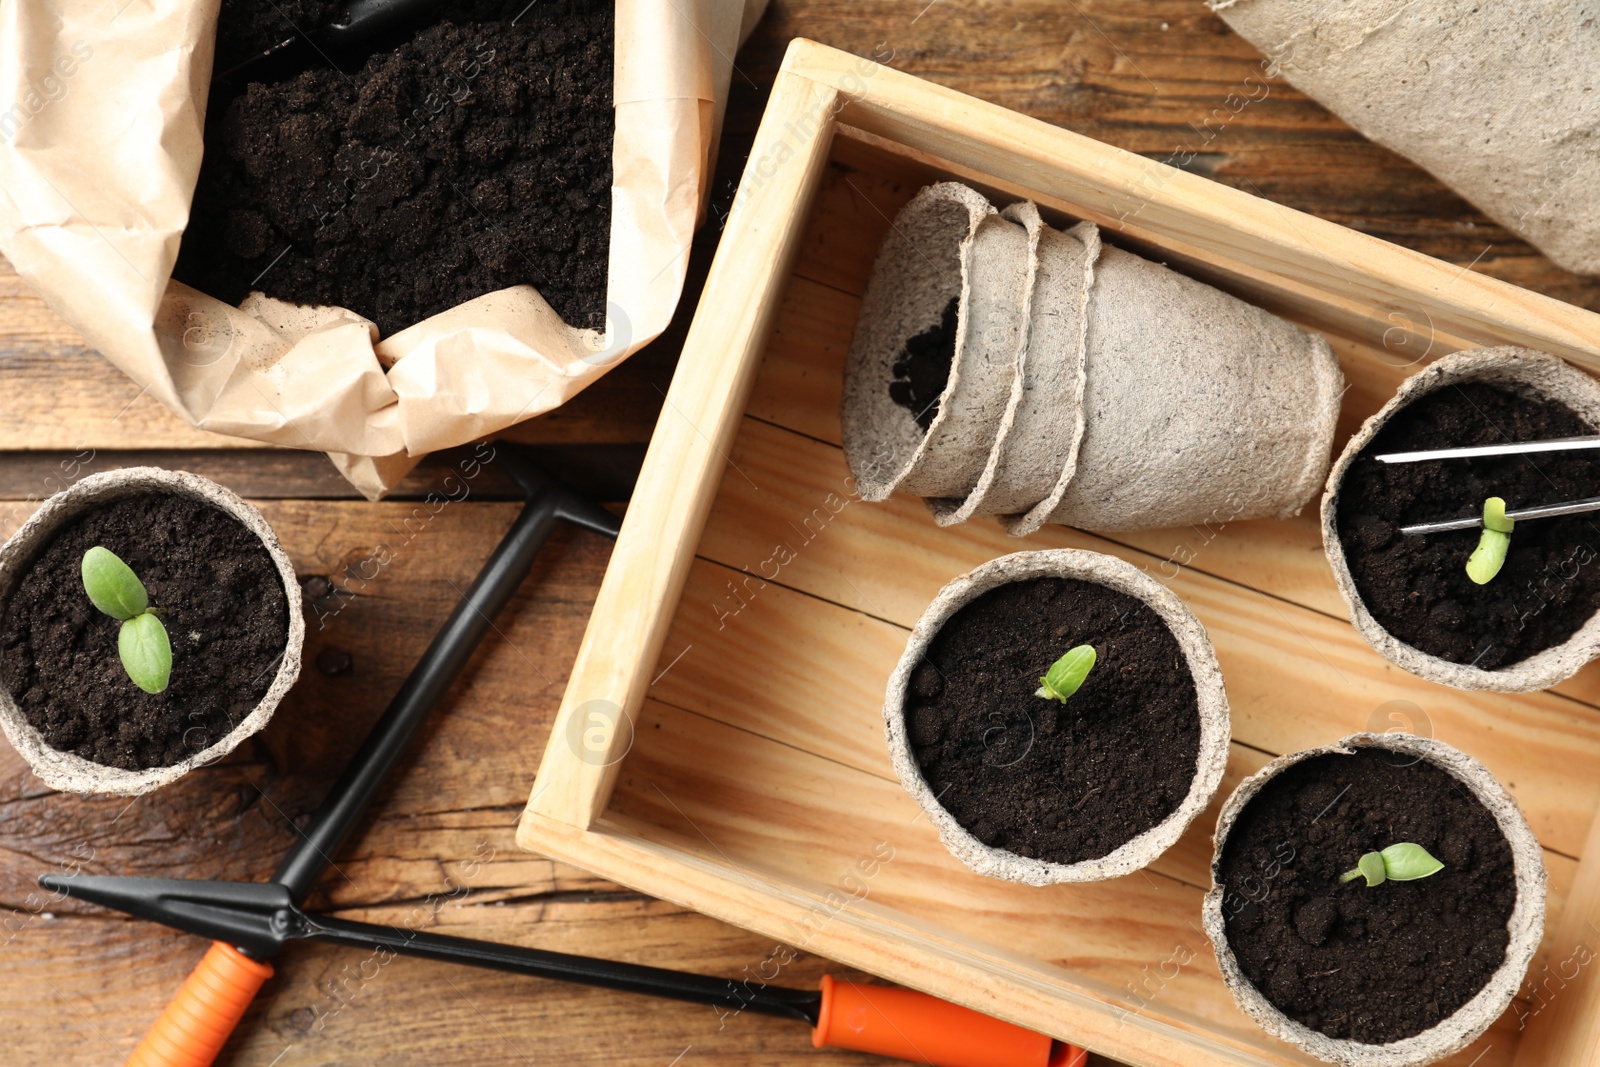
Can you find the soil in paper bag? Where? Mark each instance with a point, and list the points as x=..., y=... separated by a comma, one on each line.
x=245, y=27
x=473, y=157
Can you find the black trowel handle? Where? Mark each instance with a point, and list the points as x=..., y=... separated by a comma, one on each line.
x=364, y=21
x=359, y=25
x=548, y=503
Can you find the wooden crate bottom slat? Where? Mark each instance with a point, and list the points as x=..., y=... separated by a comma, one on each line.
x=761, y=687
x=1295, y=678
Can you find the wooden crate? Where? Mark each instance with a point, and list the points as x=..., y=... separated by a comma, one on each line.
x=720, y=743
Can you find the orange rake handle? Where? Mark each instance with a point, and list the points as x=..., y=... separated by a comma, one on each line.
x=899, y=1023
x=908, y=1025
x=201, y=1017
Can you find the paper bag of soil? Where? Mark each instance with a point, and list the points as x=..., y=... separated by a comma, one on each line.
x=1496, y=100
x=101, y=119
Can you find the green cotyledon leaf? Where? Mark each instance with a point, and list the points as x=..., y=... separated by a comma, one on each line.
x=111, y=584
x=1067, y=674
x=1401, y=862
x=1493, y=543
x=1406, y=862
x=146, y=652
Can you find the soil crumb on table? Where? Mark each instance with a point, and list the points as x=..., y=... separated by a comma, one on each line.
x=1372, y=964
x=473, y=157
x=226, y=618
x=1417, y=587
x=1056, y=782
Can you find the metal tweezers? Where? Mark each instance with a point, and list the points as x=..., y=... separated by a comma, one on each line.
x=1514, y=448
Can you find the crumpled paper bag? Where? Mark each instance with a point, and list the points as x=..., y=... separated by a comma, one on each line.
x=101, y=118
x=1501, y=102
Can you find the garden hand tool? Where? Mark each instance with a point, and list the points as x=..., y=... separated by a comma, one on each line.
x=1510, y=448
x=361, y=23
x=250, y=922
x=1544, y=511
x=1513, y=448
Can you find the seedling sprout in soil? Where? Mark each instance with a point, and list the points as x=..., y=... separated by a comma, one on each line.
x=1067, y=674
x=1403, y=862
x=1490, y=555
x=142, y=640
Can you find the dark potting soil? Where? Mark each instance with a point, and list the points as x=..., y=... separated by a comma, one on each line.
x=1046, y=780
x=473, y=157
x=1366, y=964
x=1417, y=587
x=923, y=369
x=226, y=617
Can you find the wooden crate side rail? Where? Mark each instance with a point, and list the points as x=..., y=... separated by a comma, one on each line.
x=1563, y=1024
x=1200, y=220
x=687, y=456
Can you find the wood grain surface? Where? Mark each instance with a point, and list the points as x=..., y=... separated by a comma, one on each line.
x=1152, y=76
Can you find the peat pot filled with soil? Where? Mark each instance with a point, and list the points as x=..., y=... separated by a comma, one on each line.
x=149, y=622
x=1060, y=717
x=1528, y=622
x=1376, y=901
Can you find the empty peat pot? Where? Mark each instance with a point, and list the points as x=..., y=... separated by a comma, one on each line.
x=1032, y=789
x=1197, y=408
x=1535, y=622
x=1002, y=367
x=226, y=596
x=942, y=325
x=1462, y=85
x=1042, y=425
x=1396, y=974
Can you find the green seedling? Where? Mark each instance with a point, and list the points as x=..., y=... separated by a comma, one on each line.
x=1490, y=555
x=1066, y=675
x=142, y=640
x=1404, y=862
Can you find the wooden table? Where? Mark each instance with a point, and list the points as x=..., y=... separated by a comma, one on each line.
x=78, y=986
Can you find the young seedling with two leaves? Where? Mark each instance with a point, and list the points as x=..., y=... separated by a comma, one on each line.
x=1403, y=862
x=1066, y=674
x=142, y=639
